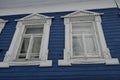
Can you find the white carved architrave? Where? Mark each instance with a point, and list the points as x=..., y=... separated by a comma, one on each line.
x=33, y=19
x=2, y=24
x=82, y=16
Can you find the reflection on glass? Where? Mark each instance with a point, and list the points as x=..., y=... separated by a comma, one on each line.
x=90, y=45
x=77, y=46
x=34, y=29
x=36, y=47
x=25, y=45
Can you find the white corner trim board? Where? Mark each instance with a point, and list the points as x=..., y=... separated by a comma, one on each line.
x=2, y=24
x=89, y=29
x=27, y=29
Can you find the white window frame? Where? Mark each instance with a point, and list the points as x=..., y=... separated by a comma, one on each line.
x=33, y=19
x=2, y=24
x=30, y=41
x=85, y=55
x=82, y=16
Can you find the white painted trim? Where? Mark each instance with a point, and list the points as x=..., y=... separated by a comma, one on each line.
x=68, y=60
x=82, y=13
x=88, y=61
x=34, y=16
x=57, y=6
x=2, y=24
x=47, y=63
x=4, y=65
x=64, y=63
x=113, y=61
x=25, y=63
x=11, y=54
x=4, y=21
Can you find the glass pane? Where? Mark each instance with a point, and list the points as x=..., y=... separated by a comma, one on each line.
x=36, y=47
x=78, y=48
x=34, y=29
x=34, y=56
x=25, y=45
x=82, y=27
x=22, y=56
x=90, y=44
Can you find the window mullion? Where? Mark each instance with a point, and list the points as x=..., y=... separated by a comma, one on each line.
x=40, y=35
x=30, y=47
x=84, y=45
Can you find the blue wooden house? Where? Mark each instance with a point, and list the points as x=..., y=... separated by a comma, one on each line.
x=68, y=41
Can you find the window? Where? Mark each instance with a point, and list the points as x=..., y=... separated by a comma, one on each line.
x=84, y=40
x=30, y=42
x=2, y=24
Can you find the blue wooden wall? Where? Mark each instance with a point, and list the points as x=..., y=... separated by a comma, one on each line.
x=111, y=27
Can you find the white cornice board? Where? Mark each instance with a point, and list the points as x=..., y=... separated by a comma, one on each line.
x=11, y=7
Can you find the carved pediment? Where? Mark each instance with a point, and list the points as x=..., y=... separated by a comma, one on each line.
x=34, y=17
x=82, y=13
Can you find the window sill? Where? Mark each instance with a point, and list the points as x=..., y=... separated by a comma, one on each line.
x=4, y=65
x=46, y=63
x=113, y=61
